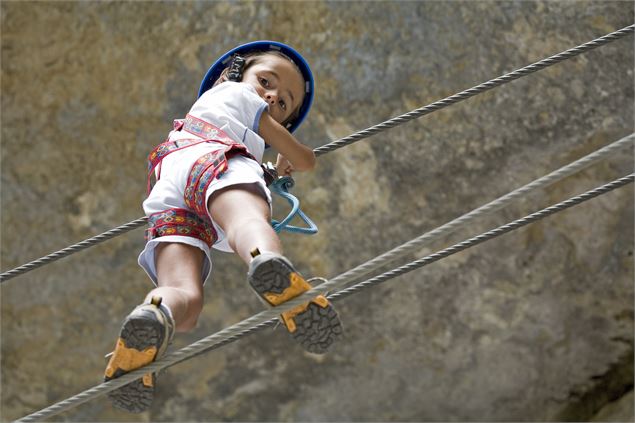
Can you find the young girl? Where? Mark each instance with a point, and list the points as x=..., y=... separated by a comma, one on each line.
x=210, y=192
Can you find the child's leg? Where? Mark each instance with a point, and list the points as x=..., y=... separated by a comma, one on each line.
x=148, y=329
x=179, y=282
x=244, y=215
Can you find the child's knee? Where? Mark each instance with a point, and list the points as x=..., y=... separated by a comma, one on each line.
x=194, y=306
x=195, y=300
x=187, y=324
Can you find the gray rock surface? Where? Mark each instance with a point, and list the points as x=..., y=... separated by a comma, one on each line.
x=620, y=410
x=535, y=325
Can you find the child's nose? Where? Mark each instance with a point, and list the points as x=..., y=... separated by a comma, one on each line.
x=271, y=98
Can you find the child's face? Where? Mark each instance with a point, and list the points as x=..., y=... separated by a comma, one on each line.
x=279, y=83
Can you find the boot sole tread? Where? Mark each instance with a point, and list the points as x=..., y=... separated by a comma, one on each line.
x=140, y=332
x=316, y=327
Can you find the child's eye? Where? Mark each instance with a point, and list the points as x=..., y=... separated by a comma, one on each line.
x=264, y=82
x=283, y=105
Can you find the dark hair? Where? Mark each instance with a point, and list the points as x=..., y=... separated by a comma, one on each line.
x=252, y=59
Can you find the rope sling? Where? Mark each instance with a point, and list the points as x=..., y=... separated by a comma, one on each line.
x=267, y=318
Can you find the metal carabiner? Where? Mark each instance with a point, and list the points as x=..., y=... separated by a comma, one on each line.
x=281, y=186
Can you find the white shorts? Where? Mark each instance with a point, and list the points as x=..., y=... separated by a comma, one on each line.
x=168, y=194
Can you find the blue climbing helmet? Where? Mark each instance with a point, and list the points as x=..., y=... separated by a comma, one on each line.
x=217, y=68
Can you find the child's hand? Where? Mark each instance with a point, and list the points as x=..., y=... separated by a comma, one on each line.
x=283, y=166
x=300, y=157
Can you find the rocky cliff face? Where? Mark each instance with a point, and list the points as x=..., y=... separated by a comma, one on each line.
x=535, y=325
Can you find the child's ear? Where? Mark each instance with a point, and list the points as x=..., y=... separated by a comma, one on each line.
x=222, y=78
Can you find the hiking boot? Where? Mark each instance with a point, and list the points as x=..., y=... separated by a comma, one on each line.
x=144, y=337
x=315, y=324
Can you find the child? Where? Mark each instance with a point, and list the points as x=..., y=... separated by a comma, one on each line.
x=211, y=192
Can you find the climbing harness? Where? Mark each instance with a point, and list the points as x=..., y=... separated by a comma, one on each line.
x=181, y=222
x=196, y=223
x=206, y=133
x=268, y=317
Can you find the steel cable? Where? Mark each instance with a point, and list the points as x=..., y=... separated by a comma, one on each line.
x=613, y=36
x=464, y=220
x=464, y=95
x=268, y=317
x=73, y=249
x=501, y=230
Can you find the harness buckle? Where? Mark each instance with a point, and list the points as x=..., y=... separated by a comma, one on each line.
x=271, y=173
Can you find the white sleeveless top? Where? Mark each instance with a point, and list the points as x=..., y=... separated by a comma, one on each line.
x=234, y=107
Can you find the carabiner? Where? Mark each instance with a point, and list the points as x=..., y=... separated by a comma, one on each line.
x=281, y=186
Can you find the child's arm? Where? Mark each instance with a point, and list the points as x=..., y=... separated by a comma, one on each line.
x=277, y=136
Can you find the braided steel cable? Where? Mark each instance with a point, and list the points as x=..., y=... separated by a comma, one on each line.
x=356, y=137
x=464, y=95
x=501, y=230
x=268, y=317
x=491, y=207
x=73, y=249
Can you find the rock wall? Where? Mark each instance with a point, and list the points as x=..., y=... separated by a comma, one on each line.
x=535, y=325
